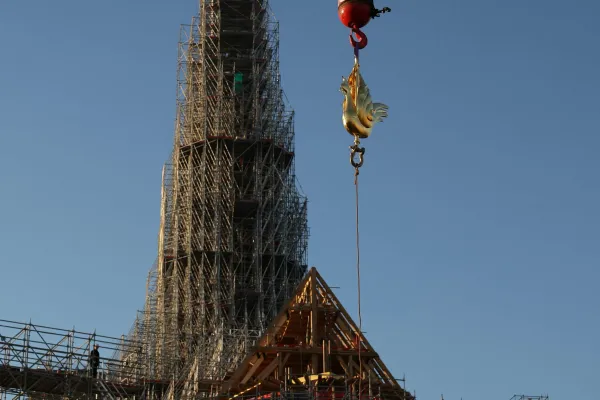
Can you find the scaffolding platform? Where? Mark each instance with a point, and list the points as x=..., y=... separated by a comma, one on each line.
x=50, y=361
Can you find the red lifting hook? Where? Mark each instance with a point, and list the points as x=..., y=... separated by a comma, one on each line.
x=355, y=14
x=361, y=39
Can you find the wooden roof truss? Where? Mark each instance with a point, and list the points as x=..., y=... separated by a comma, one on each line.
x=314, y=339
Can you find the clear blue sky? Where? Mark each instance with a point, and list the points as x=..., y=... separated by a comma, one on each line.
x=480, y=193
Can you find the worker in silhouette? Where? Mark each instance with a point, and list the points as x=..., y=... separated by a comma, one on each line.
x=94, y=362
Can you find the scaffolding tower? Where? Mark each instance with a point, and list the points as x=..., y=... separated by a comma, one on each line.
x=233, y=228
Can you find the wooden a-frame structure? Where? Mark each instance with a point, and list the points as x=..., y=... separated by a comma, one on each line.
x=313, y=342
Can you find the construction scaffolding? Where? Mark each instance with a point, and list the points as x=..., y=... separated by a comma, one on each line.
x=233, y=230
x=312, y=349
x=40, y=361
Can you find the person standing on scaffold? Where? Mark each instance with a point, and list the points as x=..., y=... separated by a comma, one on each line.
x=94, y=361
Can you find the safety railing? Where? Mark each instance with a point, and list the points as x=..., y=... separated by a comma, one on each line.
x=29, y=347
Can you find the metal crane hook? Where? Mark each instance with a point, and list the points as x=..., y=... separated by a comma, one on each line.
x=361, y=39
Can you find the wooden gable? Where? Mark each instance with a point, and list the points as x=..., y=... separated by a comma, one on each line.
x=313, y=339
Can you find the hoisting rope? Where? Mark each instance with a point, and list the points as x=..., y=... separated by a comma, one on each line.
x=354, y=150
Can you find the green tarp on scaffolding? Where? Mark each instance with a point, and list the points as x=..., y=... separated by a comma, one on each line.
x=238, y=79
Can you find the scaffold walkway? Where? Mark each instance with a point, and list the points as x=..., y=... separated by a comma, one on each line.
x=42, y=362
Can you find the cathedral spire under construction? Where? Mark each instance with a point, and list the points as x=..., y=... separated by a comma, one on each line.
x=233, y=232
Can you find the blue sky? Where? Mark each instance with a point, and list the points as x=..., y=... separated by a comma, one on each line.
x=479, y=194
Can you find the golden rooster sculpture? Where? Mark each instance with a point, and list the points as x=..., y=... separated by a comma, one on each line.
x=359, y=112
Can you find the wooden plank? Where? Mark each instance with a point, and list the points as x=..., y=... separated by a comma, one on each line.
x=252, y=370
x=271, y=367
x=344, y=365
x=318, y=351
x=314, y=316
